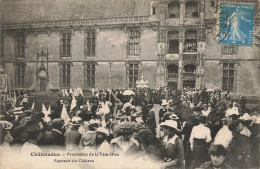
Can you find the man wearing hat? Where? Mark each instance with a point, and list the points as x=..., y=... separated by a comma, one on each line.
x=240, y=155
x=217, y=156
x=151, y=123
x=32, y=133
x=72, y=135
x=55, y=137
x=162, y=110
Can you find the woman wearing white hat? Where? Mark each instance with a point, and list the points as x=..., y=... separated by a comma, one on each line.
x=174, y=146
x=101, y=140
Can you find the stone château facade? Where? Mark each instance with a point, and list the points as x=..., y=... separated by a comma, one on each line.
x=48, y=44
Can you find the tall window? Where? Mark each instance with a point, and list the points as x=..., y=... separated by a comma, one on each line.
x=153, y=10
x=20, y=75
x=228, y=76
x=134, y=42
x=191, y=9
x=132, y=74
x=65, y=75
x=65, y=45
x=90, y=43
x=190, y=44
x=212, y=3
x=174, y=9
x=90, y=69
x=173, y=41
x=20, y=45
x=229, y=49
x=2, y=44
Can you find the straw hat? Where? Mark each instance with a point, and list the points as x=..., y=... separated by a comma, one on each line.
x=170, y=123
x=174, y=117
x=75, y=121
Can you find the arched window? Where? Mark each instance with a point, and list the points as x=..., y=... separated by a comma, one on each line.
x=190, y=44
x=173, y=41
x=189, y=76
x=172, y=71
x=191, y=9
x=174, y=9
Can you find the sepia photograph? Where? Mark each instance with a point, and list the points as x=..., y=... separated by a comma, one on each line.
x=129, y=84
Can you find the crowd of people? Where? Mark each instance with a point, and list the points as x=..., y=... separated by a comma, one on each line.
x=194, y=128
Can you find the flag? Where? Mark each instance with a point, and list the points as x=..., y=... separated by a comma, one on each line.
x=64, y=114
x=32, y=106
x=15, y=98
x=71, y=91
x=73, y=103
x=88, y=105
x=93, y=91
x=63, y=92
x=44, y=108
x=66, y=92
x=47, y=113
x=75, y=93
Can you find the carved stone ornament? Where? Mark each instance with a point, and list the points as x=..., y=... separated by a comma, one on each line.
x=90, y=62
x=170, y=62
x=65, y=63
x=228, y=61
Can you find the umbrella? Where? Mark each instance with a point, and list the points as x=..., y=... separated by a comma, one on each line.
x=128, y=93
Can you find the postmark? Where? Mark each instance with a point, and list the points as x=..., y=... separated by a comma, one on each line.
x=235, y=23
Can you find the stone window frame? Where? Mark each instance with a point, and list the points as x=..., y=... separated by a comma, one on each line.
x=90, y=42
x=189, y=38
x=152, y=9
x=20, y=68
x=89, y=74
x=134, y=67
x=229, y=49
x=228, y=69
x=168, y=13
x=19, y=44
x=212, y=3
x=65, y=44
x=168, y=44
x=134, y=42
x=192, y=1
x=65, y=79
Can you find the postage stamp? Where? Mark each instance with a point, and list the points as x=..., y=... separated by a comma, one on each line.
x=235, y=23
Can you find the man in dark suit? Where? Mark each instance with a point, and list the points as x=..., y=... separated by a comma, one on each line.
x=151, y=123
x=55, y=138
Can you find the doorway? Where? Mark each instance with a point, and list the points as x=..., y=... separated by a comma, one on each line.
x=172, y=85
x=42, y=84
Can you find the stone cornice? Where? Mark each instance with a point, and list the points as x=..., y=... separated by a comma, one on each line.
x=79, y=23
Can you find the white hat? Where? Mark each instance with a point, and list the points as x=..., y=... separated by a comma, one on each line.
x=92, y=121
x=164, y=102
x=170, y=123
x=245, y=117
x=174, y=117
x=75, y=121
x=103, y=130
